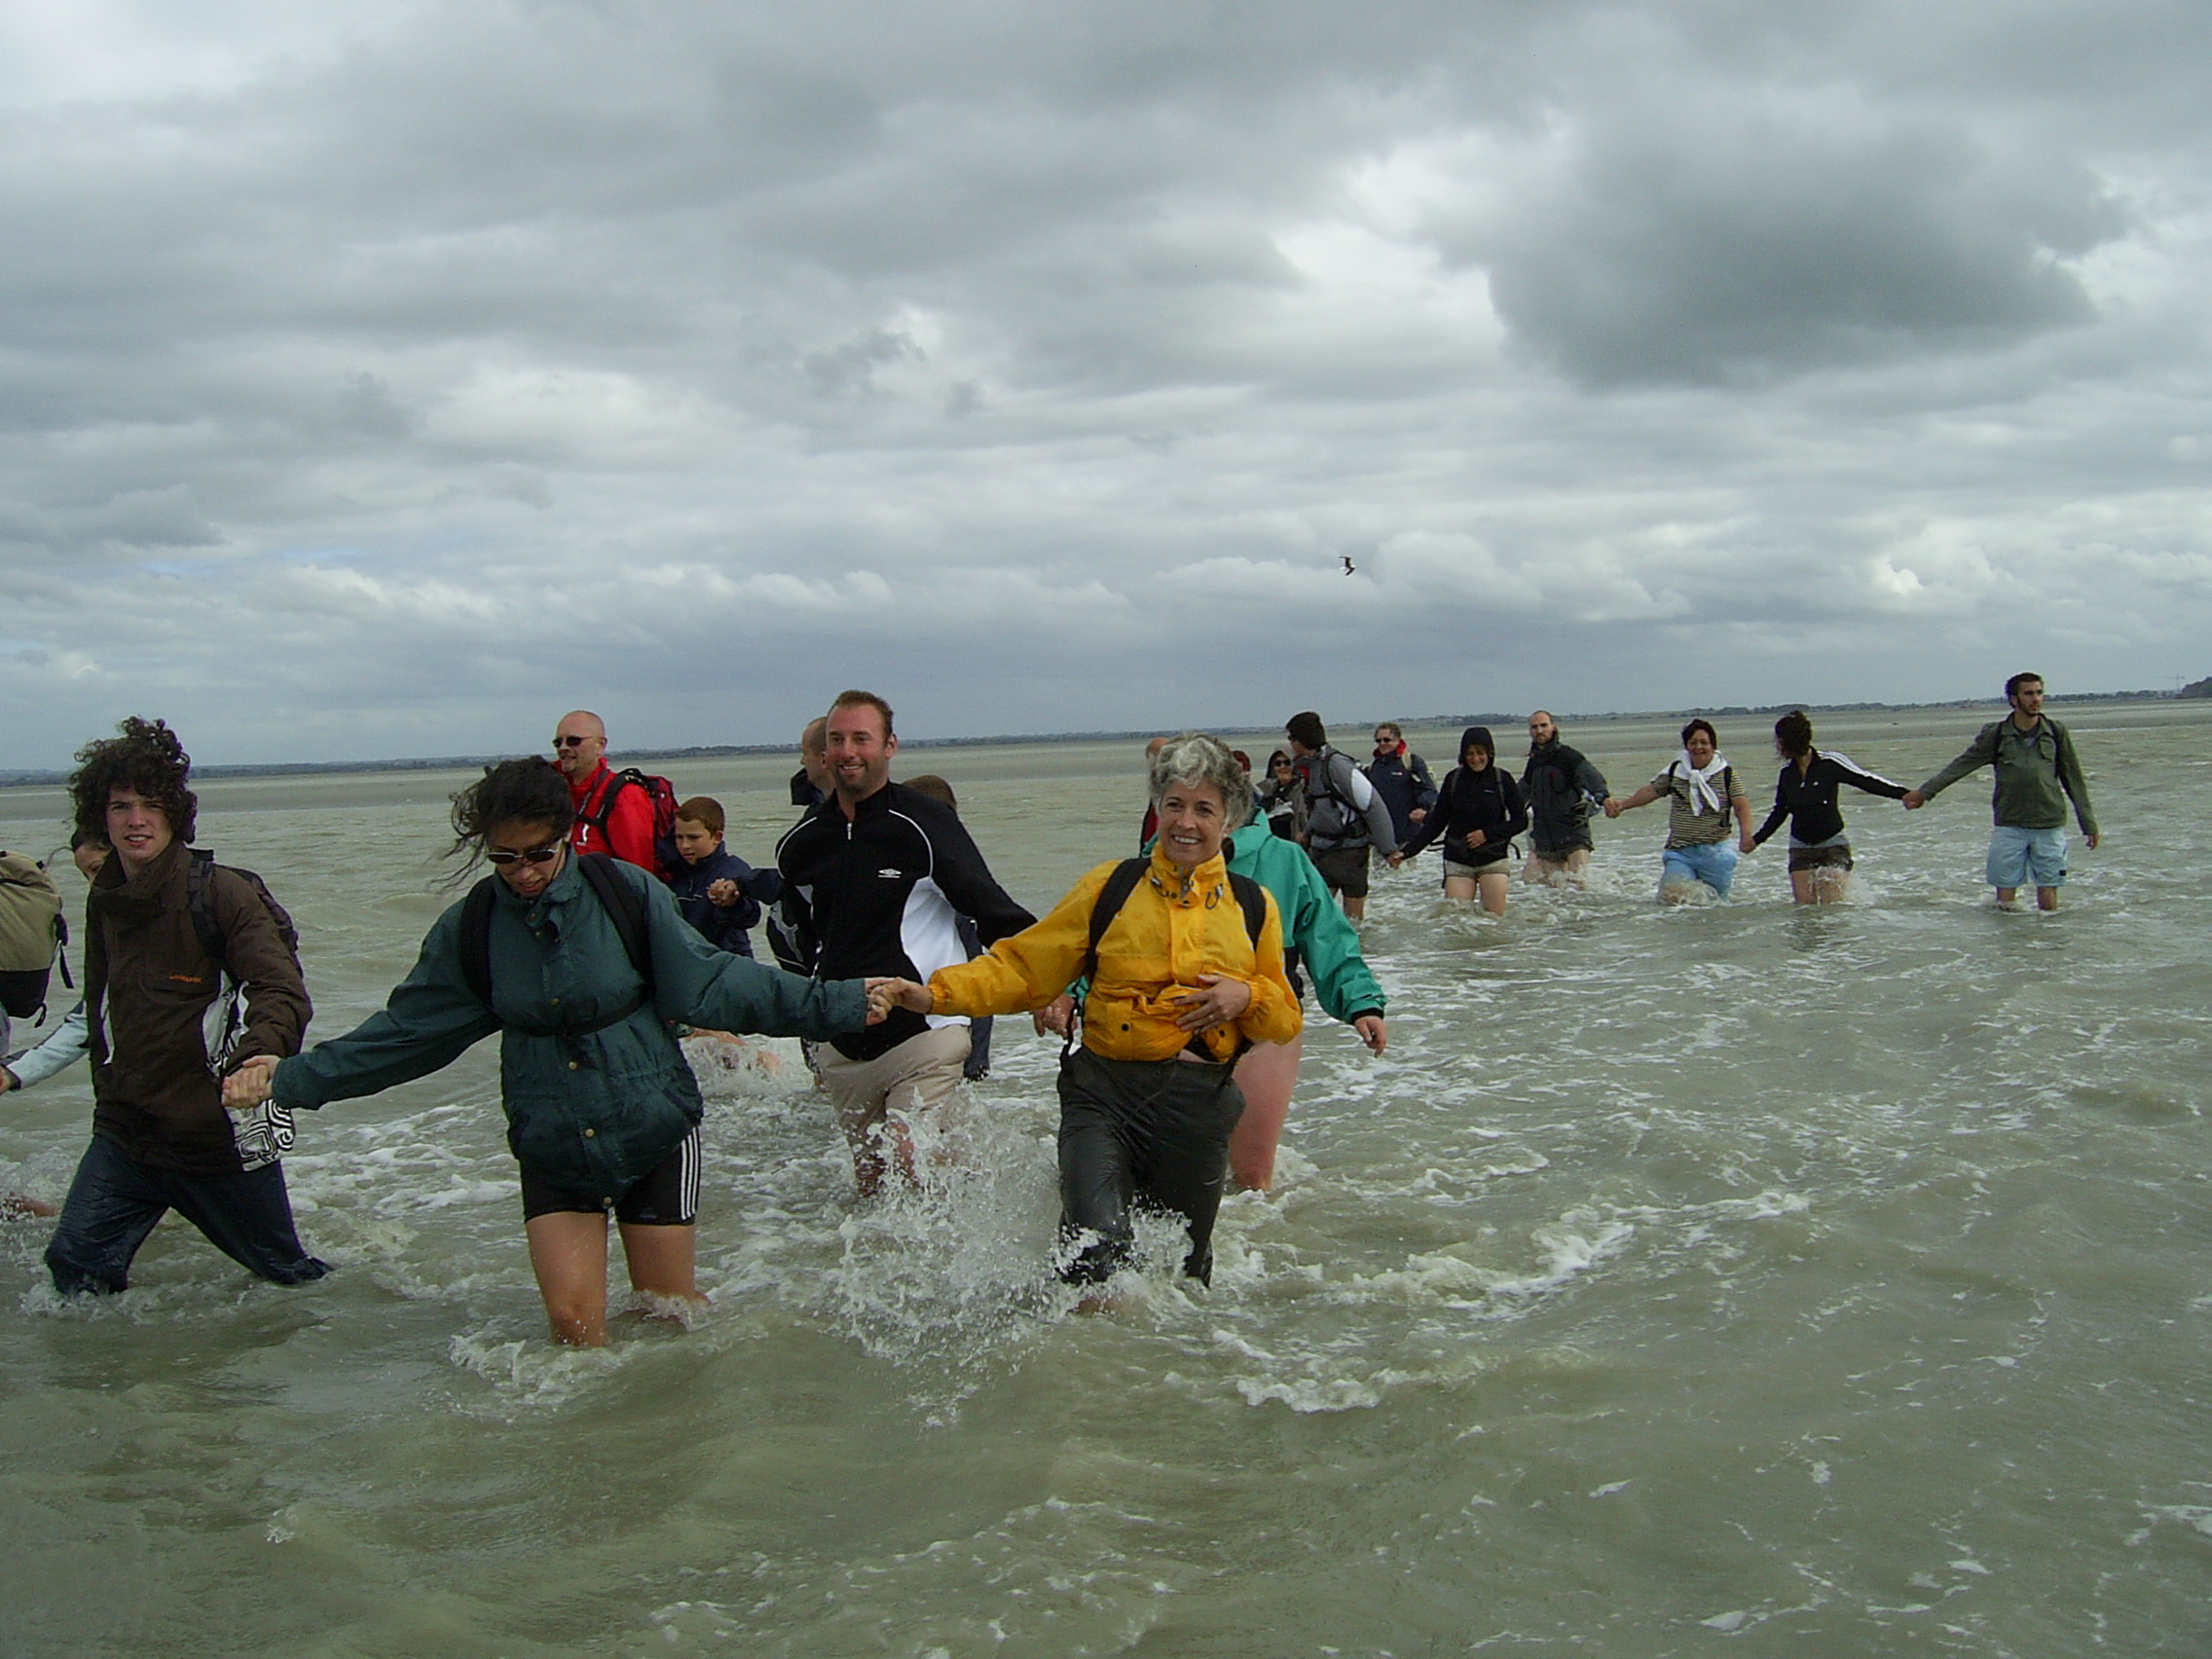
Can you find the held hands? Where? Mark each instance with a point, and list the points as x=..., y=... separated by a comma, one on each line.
x=1394, y=860
x=1054, y=1016
x=1745, y=844
x=1612, y=807
x=1913, y=800
x=884, y=995
x=1219, y=1001
x=722, y=894
x=1371, y=1032
x=251, y=1084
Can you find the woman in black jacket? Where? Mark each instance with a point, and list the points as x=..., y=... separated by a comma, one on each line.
x=1477, y=812
x=1820, y=852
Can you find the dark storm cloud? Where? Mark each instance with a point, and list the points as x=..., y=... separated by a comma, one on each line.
x=1769, y=245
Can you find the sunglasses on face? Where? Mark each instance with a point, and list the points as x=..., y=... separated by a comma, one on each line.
x=569, y=742
x=532, y=855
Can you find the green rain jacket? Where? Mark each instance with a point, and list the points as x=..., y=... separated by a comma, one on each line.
x=2036, y=771
x=589, y=1113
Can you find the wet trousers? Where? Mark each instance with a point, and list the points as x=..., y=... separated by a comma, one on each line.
x=1149, y=1133
x=115, y=1201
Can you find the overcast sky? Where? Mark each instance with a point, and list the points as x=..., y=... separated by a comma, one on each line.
x=384, y=380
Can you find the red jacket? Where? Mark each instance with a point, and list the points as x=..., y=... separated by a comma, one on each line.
x=629, y=831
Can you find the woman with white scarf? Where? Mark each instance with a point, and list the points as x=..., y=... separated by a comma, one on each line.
x=1703, y=791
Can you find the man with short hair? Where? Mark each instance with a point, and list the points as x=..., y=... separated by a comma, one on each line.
x=1346, y=819
x=2036, y=773
x=879, y=872
x=611, y=817
x=1560, y=785
x=810, y=784
x=1401, y=778
x=163, y=1023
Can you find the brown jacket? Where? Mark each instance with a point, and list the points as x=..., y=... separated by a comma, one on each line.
x=159, y=1016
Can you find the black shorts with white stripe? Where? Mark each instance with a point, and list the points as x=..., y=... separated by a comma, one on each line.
x=667, y=1195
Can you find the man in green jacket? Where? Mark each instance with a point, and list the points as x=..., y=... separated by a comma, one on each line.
x=2037, y=774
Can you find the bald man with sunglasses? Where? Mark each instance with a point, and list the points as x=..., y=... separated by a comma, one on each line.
x=610, y=816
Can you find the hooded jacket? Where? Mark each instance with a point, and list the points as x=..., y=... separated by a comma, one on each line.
x=1316, y=936
x=1489, y=800
x=1559, y=783
x=1173, y=928
x=157, y=1015
x=593, y=1113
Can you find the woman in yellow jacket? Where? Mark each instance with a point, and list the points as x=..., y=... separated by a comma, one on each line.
x=1180, y=987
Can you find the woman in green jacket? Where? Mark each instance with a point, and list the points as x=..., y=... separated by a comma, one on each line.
x=584, y=967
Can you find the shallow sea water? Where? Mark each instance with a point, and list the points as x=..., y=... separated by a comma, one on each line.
x=1728, y=1280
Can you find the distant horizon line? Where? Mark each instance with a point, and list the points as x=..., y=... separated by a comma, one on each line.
x=46, y=778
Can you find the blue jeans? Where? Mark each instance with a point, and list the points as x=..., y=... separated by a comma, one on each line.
x=2016, y=856
x=1714, y=864
x=115, y=1201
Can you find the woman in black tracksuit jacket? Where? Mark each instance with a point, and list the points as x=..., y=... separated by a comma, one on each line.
x=1804, y=797
x=1477, y=812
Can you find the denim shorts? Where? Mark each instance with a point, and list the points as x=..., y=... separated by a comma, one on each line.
x=2024, y=857
x=1714, y=864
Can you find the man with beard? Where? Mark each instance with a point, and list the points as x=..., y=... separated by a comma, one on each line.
x=1559, y=785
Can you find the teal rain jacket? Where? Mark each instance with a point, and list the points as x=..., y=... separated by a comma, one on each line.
x=591, y=1114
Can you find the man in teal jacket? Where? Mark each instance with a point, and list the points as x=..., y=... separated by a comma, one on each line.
x=2037, y=772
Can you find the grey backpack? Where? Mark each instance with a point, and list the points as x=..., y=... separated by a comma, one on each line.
x=31, y=931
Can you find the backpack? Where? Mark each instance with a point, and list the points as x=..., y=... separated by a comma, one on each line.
x=31, y=935
x=199, y=905
x=1251, y=898
x=667, y=861
x=625, y=908
x=1347, y=823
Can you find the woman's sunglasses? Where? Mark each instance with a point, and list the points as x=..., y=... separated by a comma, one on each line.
x=534, y=855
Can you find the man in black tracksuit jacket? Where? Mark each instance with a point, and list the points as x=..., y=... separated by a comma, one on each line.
x=878, y=873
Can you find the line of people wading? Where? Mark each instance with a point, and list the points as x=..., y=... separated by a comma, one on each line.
x=613, y=918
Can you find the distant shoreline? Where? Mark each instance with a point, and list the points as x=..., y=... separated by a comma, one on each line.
x=728, y=750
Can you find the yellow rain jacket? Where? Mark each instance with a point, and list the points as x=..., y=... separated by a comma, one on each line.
x=1172, y=930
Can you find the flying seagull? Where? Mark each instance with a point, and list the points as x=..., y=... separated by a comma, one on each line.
x=1350, y=567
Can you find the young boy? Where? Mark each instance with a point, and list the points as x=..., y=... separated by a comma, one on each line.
x=719, y=893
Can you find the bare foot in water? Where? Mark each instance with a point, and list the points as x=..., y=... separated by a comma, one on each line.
x=21, y=1207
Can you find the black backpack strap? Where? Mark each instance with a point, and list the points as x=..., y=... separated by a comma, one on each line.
x=1111, y=898
x=1103, y=909
x=625, y=906
x=476, y=940
x=1252, y=898
x=628, y=775
x=200, y=905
